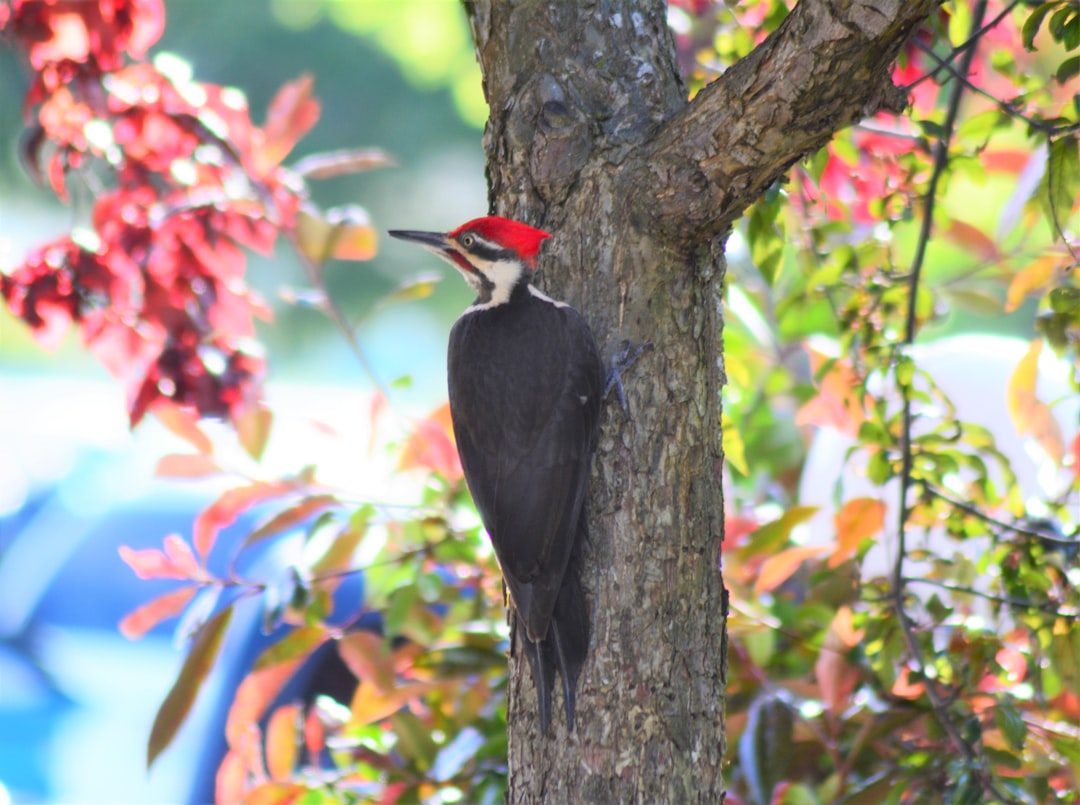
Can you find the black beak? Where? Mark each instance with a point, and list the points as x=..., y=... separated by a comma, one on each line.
x=437, y=242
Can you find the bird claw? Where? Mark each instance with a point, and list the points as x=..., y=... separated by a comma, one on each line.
x=623, y=360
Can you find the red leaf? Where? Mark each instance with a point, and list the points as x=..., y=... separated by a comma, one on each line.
x=314, y=733
x=182, y=465
x=431, y=446
x=836, y=676
x=224, y=511
x=179, y=553
x=177, y=704
x=152, y=564
x=291, y=115
x=340, y=163
x=140, y=621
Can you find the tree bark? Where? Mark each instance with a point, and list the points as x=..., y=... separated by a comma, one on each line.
x=591, y=137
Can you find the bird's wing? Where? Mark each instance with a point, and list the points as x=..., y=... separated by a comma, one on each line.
x=526, y=435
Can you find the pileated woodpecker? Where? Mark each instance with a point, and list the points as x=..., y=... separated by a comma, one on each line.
x=526, y=384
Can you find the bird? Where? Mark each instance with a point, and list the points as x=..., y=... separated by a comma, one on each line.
x=526, y=384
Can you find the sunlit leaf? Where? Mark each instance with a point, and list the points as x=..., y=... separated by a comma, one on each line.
x=140, y=621
x=371, y=704
x=1033, y=278
x=431, y=446
x=1031, y=417
x=253, y=430
x=152, y=564
x=779, y=567
x=858, y=519
x=772, y=535
x=734, y=452
x=292, y=113
x=181, y=697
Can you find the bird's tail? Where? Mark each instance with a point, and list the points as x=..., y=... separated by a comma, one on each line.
x=564, y=648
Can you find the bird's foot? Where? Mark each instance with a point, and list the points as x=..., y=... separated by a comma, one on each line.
x=623, y=360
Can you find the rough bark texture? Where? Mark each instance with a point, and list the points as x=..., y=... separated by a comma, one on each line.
x=591, y=137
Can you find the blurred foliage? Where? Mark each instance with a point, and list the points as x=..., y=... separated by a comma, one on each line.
x=945, y=672
x=951, y=675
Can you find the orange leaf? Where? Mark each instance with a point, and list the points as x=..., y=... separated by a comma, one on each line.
x=231, y=777
x=778, y=568
x=272, y=670
x=837, y=403
x=1031, y=417
x=904, y=688
x=183, y=424
x=370, y=704
x=431, y=446
x=291, y=115
x=1035, y=277
x=184, y=465
x=140, y=621
x=858, y=519
x=281, y=742
x=224, y=511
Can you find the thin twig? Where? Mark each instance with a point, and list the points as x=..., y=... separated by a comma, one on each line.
x=941, y=160
x=974, y=511
x=1005, y=106
x=967, y=45
x=1001, y=599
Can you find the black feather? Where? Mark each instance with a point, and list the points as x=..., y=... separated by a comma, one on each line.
x=526, y=381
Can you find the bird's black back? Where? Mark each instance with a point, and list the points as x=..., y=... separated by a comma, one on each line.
x=526, y=380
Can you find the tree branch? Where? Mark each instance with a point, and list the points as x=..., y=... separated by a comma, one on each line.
x=741, y=133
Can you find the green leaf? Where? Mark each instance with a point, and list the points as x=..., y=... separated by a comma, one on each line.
x=177, y=704
x=1011, y=723
x=1061, y=182
x=1034, y=23
x=1068, y=70
x=772, y=535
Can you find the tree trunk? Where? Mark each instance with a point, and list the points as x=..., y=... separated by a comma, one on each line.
x=591, y=137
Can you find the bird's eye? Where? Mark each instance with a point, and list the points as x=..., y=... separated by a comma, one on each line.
x=468, y=241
